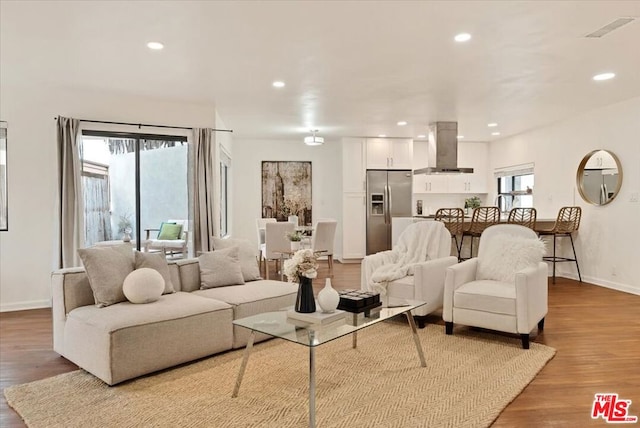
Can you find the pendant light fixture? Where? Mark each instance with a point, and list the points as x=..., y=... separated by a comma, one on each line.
x=312, y=140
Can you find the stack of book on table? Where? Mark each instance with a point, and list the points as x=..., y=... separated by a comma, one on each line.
x=317, y=319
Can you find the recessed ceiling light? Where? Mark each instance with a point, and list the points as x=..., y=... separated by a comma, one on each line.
x=492, y=125
x=382, y=135
x=462, y=37
x=278, y=84
x=156, y=46
x=495, y=133
x=422, y=136
x=402, y=123
x=460, y=137
x=604, y=76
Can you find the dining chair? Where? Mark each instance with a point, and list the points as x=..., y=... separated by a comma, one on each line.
x=523, y=216
x=260, y=230
x=567, y=222
x=453, y=219
x=322, y=240
x=481, y=218
x=275, y=244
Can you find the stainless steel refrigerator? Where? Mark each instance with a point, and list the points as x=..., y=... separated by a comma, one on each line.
x=388, y=195
x=599, y=185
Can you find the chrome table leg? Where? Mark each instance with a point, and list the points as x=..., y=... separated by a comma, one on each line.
x=416, y=339
x=243, y=366
x=312, y=381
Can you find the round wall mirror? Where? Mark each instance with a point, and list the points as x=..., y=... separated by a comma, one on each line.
x=599, y=177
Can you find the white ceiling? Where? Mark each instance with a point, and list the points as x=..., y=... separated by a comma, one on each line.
x=352, y=68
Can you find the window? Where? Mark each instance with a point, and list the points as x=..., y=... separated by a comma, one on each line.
x=132, y=183
x=225, y=166
x=515, y=187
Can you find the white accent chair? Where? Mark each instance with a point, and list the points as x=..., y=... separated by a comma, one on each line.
x=322, y=240
x=169, y=247
x=512, y=306
x=275, y=244
x=425, y=281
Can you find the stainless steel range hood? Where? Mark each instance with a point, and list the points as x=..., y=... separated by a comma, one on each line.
x=443, y=150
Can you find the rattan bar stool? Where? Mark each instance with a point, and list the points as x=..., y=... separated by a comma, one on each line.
x=567, y=222
x=481, y=218
x=523, y=216
x=453, y=219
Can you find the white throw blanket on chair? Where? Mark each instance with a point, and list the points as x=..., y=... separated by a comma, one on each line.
x=418, y=243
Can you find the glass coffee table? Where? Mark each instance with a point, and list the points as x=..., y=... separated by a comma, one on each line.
x=277, y=324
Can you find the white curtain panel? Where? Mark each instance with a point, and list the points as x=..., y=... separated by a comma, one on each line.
x=71, y=209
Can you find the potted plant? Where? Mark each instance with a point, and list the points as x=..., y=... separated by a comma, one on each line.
x=125, y=227
x=295, y=238
x=471, y=203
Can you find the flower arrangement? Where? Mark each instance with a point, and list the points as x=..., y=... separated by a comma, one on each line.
x=294, y=203
x=295, y=236
x=302, y=264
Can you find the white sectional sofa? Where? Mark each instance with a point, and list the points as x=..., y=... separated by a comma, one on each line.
x=125, y=340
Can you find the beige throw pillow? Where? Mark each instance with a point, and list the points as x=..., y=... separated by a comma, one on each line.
x=156, y=261
x=220, y=268
x=505, y=255
x=106, y=268
x=247, y=254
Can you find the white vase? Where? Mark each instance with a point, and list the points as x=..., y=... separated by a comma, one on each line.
x=126, y=237
x=293, y=219
x=295, y=245
x=328, y=297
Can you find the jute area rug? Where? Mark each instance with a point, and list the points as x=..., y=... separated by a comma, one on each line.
x=469, y=379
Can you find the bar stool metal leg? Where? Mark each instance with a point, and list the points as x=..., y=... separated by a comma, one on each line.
x=575, y=257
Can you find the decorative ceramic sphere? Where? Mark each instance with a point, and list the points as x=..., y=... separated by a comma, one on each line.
x=143, y=285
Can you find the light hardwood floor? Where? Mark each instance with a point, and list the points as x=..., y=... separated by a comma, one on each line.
x=596, y=332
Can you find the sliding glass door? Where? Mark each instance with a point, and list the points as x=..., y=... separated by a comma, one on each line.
x=132, y=183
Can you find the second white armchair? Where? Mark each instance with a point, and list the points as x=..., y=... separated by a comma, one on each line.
x=504, y=288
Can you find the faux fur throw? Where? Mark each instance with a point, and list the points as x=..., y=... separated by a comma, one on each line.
x=505, y=255
x=418, y=243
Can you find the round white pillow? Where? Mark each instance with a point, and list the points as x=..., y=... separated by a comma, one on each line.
x=143, y=285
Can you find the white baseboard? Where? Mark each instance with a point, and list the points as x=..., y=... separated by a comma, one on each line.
x=625, y=288
x=22, y=306
x=347, y=261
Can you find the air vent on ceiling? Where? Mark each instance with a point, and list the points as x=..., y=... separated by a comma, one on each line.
x=610, y=27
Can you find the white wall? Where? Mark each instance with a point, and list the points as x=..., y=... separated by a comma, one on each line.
x=607, y=241
x=326, y=181
x=28, y=250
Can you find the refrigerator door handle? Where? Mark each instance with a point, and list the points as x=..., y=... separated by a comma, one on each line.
x=386, y=204
x=389, y=202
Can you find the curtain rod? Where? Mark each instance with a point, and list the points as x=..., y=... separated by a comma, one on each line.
x=140, y=125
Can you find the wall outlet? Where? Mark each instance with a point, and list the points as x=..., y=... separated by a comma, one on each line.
x=634, y=197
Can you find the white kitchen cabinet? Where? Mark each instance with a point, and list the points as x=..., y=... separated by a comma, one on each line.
x=472, y=155
x=354, y=173
x=387, y=153
x=601, y=160
x=354, y=177
x=423, y=183
x=354, y=236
